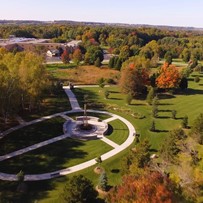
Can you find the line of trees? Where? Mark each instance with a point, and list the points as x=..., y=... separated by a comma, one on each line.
x=23, y=79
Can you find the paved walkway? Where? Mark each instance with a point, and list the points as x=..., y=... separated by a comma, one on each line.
x=75, y=108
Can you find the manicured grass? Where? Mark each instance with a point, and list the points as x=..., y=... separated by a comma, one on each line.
x=117, y=131
x=56, y=156
x=187, y=103
x=112, y=167
x=31, y=134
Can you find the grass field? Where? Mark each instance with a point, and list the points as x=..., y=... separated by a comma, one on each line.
x=31, y=134
x=117, y=131
x=56, y=156
x=187, y=103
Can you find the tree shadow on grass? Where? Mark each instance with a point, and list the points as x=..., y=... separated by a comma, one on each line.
x=46, y=159
x=166, y=96
x=165, y=104
x=163, y=117
x=167, y=110
x=114, y=98
x=110, y=130
x=161, y=131
x=190, y=91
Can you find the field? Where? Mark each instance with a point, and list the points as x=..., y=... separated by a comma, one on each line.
x=187, y=103
x=82, y=74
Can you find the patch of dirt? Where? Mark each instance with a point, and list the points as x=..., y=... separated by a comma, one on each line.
x=98, y=170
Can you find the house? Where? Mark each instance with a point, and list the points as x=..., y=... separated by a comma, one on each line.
x=53, y=53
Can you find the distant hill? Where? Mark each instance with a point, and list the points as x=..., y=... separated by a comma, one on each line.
x=35, y=22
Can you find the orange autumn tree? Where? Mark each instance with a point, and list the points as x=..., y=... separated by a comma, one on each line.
x=169, y=77
x=149, y=188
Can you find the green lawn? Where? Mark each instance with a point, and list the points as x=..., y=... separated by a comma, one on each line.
x=56, y=156
x=187, y=103
x=117, y=132
x=31, y=134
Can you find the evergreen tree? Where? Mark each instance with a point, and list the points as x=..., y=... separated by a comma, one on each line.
x=103, y=181
x=97, y=63
x=111, y=62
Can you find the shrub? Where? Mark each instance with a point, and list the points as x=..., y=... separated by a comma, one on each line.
x=106, y=94
x=150, y=95
x=155, y=111
x=196, y=79
x=173, y=112
x=153, y=127
x=184, y=122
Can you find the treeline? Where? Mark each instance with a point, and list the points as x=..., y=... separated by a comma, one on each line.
x=23, y=79
x=122, y=42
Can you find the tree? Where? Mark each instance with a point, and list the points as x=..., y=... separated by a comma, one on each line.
x=77, y=56
x=97, y=63
x=134, y=76
x=184, y=122
x=124, y=53
x=153, y=127
x=106, y=94
x=168, y=58
x=111, y=62
x=150, y=95
x=65, y=57
x=173, y=114
x=170, y=147
x=183, y=83
x=149, y=188
x=101, y=82
x=197, y=128
x=138, y=159
x=78, y=189
x=169, y=77
x=103, y=182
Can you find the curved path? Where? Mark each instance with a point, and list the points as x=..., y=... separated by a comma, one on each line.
x=75, y=108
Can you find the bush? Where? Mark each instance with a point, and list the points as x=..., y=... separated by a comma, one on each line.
x=153, y=128
x=106, y=94
x=184, y=122
x=155, y=111
x=173, y=112
x=196, y=79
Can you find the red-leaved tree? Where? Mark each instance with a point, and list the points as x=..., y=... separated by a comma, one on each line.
x=169, y=77
x=150, y=188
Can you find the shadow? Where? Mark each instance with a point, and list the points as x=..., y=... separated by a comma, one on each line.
x=163, y=117
x=190, y=91
x=166, y=96
x=200, y=84
x=114, y=92
x=115, y=170
x=153, y=150
x=115, y=98
x=165, y=104
x=110, y=130
x=165, y=110
x=138, y=104
x=161, y=131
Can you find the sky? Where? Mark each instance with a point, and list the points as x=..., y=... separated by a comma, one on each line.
x=153, y=12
